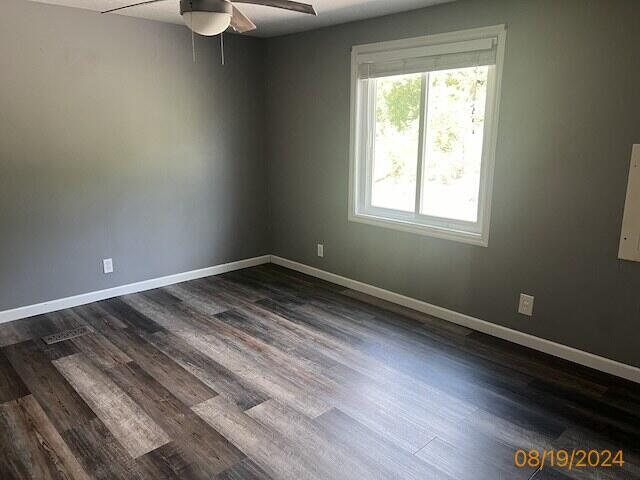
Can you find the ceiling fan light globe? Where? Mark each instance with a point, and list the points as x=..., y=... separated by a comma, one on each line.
x=207, y=23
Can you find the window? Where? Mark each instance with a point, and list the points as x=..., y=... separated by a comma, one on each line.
x=424, y=117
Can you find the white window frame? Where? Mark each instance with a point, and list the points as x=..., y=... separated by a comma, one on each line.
x=362, y=99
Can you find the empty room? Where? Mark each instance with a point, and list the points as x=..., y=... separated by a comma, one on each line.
x=320, y=239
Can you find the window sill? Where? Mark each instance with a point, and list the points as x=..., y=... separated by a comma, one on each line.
x=420, y=229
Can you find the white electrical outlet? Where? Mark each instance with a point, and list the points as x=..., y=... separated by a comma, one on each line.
x=321, y=250
x=107, y=265
x=526, y=305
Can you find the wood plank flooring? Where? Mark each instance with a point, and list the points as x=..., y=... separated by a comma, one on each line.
x=266, y=373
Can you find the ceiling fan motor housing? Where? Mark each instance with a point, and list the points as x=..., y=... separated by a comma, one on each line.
x=216, y=6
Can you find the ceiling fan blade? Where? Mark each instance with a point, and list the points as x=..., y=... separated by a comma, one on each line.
x=240, y=22
x=285, y=4
x=133, y=5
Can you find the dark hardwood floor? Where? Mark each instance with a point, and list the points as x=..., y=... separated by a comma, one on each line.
x=265, y=373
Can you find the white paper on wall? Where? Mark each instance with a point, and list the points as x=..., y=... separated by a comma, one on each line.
x=630, y=238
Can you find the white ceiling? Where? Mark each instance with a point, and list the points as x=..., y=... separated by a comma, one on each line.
x=270, y=21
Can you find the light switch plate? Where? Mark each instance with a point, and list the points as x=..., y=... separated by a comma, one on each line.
x=107, y=265
x=321, y=250
x=526, y=305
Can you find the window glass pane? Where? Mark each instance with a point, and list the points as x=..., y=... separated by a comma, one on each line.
x=453, y=147
x=395, y=159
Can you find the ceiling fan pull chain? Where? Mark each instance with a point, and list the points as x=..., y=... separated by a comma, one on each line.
x=222, y=47
x=193, y=41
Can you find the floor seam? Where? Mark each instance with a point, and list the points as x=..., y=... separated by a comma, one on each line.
x=425, y=445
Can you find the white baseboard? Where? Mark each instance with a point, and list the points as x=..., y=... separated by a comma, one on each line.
x=83, y=299
x=556, y=349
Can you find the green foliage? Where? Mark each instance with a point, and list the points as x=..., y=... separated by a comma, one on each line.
x=456, y=110
x=461, y=85
x=403, y=102
x=446, y=136
x=397, y=166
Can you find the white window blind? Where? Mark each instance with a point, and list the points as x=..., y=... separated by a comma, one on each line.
x=472, y=53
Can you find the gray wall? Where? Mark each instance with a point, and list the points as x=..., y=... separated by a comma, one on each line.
x=570, y=112
x=114, y=144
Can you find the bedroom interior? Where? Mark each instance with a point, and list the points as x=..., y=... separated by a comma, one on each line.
x=339, y=239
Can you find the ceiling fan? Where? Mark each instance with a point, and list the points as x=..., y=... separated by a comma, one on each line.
x=212, y=17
